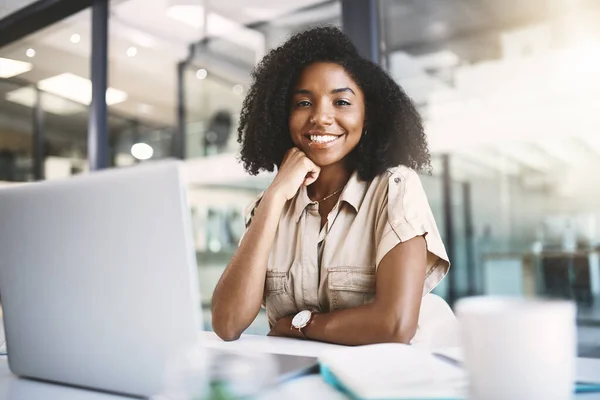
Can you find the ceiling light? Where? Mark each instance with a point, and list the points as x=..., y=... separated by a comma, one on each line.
x=132, y=51
x=75, y=38
x=30, y=53
x=189, y=14
x=438, y=60
x=195, y=16
x=234, y=32
x=142, y=39
x=134, y=35
x=263, y=14
x=145, y=108
x=142, y=151
x=201, y=73
x=238, y=89
x=78, y=89
x=10, y=68
x=27, y=96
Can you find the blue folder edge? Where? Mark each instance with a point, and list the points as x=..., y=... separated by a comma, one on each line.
x=330, y=378
x=581, y=387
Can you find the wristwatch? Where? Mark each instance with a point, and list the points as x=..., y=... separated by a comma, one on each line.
x=302, y=319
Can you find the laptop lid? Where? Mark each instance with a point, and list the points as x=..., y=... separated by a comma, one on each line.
x=98, y=277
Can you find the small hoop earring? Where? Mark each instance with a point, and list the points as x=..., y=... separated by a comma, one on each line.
x=365, y=132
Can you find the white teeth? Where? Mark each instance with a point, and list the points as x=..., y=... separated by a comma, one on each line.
x=322, y=138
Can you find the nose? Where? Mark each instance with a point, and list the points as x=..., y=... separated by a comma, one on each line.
x=322, y=114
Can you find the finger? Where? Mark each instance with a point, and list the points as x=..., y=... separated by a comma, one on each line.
x=311, y=166
x=312, y=175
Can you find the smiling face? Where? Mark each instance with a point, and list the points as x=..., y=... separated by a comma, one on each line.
x=327, y=113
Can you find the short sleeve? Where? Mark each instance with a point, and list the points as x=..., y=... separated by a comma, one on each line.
x=405, y=214
x=249, y=214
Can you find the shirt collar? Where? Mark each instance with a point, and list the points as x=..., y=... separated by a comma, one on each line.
x=301, y=202
x=355, y=190
x=353, y=194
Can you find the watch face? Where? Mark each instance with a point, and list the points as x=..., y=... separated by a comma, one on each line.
x=301, y=319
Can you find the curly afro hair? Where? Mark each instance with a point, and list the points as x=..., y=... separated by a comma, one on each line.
x=395, y=130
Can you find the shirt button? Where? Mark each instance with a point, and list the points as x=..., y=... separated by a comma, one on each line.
x=397, y=180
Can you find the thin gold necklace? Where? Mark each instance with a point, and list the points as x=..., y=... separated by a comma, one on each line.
x=332, y=194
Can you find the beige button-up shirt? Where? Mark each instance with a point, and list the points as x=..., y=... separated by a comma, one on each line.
x=335, y=267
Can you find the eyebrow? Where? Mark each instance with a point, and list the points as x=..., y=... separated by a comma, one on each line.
x=334, y=91
x=340, y=90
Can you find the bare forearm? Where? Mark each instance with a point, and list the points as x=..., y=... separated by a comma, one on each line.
x=237, y=297
x=368, y=324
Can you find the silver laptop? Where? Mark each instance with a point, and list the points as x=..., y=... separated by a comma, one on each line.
x=98, y=278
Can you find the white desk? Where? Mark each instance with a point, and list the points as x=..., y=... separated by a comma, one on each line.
x=309, y=387
x=268, y=344
x=13, y=388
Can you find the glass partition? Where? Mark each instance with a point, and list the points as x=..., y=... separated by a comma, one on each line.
x=16, y=136
x=509, y=92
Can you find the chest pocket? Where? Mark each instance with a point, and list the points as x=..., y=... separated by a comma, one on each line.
x=278, y=297
x=350, y=286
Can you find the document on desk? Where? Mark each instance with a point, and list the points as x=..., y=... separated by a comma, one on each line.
x=396, y=371
x=392, y=371
x=269, y=344
x=587, y=370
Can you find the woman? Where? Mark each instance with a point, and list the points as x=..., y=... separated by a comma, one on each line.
x=342, y=245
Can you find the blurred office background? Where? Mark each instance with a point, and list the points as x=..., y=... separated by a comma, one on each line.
x=509, y=91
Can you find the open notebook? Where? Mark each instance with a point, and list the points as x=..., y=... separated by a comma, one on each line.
x=396, y=371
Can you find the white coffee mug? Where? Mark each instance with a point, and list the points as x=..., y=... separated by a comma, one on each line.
x=518, y=349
